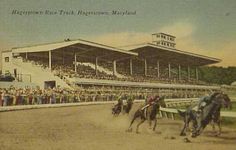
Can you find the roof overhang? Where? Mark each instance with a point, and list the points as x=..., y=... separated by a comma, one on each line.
x=149, y=50
x=74, y=43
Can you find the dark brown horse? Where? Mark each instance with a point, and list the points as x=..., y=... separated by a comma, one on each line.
x=127, y=107
x=117, y=109
x=191, y=115
x=211, y=112
x=149, y=113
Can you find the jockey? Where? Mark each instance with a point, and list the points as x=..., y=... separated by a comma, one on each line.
x=205, y=101
x=130, y=99
x=124, y=102
x=150, y=101
x=120, y=101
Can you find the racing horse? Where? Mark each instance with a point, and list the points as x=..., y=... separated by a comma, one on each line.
x=116, y=110
x=211, y=112
x=191, y=114
x=127, y=107
x=149, y=113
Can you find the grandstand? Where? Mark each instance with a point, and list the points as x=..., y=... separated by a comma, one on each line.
x=88, y=66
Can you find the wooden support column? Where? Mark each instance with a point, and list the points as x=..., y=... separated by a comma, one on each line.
x=50, y=60
x=63, y=59
x=131, y=66
x=196, y=71
x=96, y=66
x=169, y=70
x=179, y=72
x=145, y=67
x=114, y=67
x=158, y=68
x=75, y=61
x=188, y=73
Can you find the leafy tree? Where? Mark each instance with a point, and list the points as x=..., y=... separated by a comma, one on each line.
x=218, y=75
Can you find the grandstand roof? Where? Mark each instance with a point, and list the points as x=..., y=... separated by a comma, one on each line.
x=88, y=49
x=174, y=56
x=82, y=47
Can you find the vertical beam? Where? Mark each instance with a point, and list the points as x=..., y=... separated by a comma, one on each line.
x=96, y=66
x=169, y=70
x=50, y=60
x=131, y=66
x=75, y=63
x=160, y=113
x=179, y=72
x=158, y=68
x=63, y=59
x=196, y=71
x=188, y=73
x=172, y=116
x=114, y=67
x=26, y=56
x=145, y=67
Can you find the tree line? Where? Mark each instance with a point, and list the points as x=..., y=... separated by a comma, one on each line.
x=218, y=75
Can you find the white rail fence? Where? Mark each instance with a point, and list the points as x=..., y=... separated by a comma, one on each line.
x=171, y=112
x=164, y=112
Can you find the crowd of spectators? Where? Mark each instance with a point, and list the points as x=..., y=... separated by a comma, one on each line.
x=32, y=96
x=85, y=71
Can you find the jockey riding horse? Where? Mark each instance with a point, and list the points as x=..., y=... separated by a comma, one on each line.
x=148, y=112
x=124, y=104
x=208, y=109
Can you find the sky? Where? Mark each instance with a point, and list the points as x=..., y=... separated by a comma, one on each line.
x=206, y=27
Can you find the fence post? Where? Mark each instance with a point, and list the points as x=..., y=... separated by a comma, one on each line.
x=172, y=116
x=160, y=112
x=166, y=114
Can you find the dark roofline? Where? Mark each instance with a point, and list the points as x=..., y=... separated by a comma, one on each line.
x=194, y=54
x=40, y=44
x=67, y=41
x=81, y=40
x=216, y=60
x=100, y=44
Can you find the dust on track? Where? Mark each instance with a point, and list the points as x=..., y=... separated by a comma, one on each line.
x=94, y=128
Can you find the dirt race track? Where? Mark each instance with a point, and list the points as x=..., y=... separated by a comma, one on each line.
x=94, y=128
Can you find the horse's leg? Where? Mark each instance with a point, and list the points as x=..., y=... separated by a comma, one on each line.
x=155, y=124
x=198, y=131
x=136, y=115
x=142, y=121
x=218, y=121
x=183, y=131
x=213, y=125
x=149, y=122
x=219, y=126
x=186, y=125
